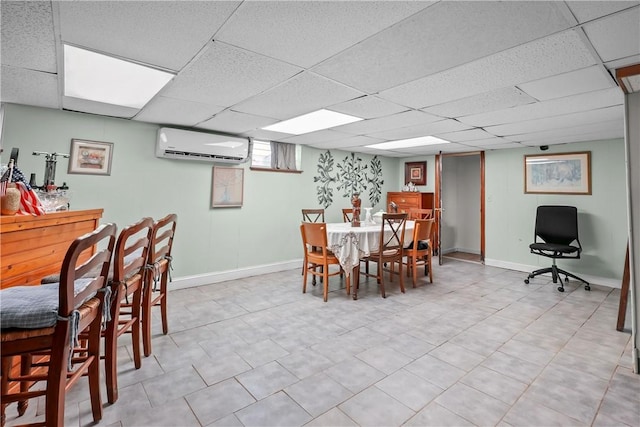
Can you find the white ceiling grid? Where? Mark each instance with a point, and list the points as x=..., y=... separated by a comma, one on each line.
x=484, y=74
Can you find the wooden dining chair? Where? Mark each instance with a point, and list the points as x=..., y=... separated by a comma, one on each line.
x=314, y=235
x=417, y=213
x=419, y=251
x=390, y=250
x=347, y=214
x=127, y=285
x=44, y=321
x=312, y=215
x=158, y=277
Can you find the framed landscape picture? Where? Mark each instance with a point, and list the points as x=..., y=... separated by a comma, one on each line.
x=562, y=173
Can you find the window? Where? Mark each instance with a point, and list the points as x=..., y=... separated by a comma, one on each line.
x=266, y=155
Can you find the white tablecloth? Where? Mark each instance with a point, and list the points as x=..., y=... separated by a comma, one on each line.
x=349, y=244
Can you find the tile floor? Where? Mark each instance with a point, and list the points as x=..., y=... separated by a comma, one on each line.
x=476, y=347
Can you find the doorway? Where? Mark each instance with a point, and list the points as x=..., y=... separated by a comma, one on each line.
x=460, y=206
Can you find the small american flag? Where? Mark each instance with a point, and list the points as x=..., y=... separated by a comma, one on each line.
x=3, y=188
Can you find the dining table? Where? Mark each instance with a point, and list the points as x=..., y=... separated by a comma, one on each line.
x=349, y=244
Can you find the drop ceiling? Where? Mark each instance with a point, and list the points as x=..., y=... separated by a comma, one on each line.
x=484, y=75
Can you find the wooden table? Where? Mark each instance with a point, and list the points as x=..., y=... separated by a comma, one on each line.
x=32, y=247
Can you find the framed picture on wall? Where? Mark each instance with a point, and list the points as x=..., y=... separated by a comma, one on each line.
x=227, y=187
x=563, y=173
x=90, y=157
x=415, y=172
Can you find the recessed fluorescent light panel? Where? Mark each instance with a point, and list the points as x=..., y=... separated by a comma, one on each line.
x=96, y=77
x=406, y=143
x=311, y=122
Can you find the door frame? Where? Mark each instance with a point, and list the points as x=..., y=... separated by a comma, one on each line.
x=438, y=199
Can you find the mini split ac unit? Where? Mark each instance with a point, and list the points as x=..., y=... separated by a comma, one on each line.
x=188, y=145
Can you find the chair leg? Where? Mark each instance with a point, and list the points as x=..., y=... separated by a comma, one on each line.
x=163, y=302
x=146, y=320
x=94, y=369
x=136, y=312
x=325, y=283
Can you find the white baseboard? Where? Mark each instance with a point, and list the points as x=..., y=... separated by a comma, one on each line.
x=594, y=280
x=256, y=270
x=469, y=251
x=223, y=276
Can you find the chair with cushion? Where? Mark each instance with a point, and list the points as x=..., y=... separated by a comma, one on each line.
x=43, y=322
x=158, y=277
x=127, y=284
x=314, y=235
x=419, y=250
x=556, y=237
x=347, y=214
x=390, y=250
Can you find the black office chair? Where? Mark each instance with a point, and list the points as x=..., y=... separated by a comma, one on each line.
x=557, y=228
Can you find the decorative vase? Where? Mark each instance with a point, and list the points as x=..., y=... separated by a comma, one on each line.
x=367, y=216
x=10, y=202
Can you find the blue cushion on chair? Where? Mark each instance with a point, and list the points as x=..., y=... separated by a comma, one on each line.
x=32, y=307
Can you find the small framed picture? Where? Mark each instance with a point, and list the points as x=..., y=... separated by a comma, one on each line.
x=90, y=157
x=415, y=172
x=227, y=187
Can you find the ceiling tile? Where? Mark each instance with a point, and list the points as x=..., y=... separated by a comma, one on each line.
x=466, y=135
x=422, y=44
x=555, y=107
x=173, y=111
x=93, y=107
x=285, y=101
x=558, y=122
x=316, y=137
x=27, y=35
x=545, y=57
x=234, y=122
x=167, y=34
x=617, y=36
x=588, y=10
x=368, y=107
x=23, y=86
x=321, y=29
x=609, y=126
x=489, y=101
x=224, y=75
x=489, y=142
x=572, y=83
x=404, y=119
x=351, y=141
x=423, y=129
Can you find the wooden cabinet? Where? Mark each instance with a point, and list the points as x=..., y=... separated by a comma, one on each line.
x=407, y=200
x=32, y=247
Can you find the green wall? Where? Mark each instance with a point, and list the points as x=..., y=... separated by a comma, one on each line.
x=263, y=232
x=263, y=235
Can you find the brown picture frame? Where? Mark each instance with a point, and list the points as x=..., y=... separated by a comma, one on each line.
x=415, y=172
x=90, y=157
x=559, y=173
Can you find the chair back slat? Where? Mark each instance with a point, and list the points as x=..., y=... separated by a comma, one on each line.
x=132, y=249
x=392, y=235
x=422, y=230
x=313, y=215
x=314, y=234
x=347, y=214
x=416, y=213
x=164, y=231
x=104, y=237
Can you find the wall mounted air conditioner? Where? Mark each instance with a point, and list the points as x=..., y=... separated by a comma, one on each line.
x=189, y=145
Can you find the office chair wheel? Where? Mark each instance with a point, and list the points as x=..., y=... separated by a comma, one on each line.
x=587, y=287
x=560, y=288
x=526, y=281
